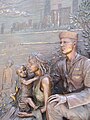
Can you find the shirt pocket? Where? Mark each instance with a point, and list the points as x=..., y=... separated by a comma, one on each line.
x=77, y=76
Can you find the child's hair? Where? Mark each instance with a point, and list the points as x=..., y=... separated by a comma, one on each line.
x=24, y=67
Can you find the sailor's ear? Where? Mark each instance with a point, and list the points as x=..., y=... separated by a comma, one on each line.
x=75, y=42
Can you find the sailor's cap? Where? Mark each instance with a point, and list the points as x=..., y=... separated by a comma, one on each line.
x=68, y=34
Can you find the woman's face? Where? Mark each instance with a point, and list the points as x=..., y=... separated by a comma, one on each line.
x=32, y=65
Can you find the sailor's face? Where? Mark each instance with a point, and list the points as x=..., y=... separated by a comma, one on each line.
x=66, y=45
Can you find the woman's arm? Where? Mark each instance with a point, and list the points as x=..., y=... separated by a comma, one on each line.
x=46, y=86
x=29, y=81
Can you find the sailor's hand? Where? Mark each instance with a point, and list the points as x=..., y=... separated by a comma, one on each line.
x=59, y=99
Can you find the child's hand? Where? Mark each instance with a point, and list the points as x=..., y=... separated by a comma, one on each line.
x=24, y=114
x=23, y=81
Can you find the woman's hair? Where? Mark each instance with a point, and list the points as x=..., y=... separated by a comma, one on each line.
x=42, y=63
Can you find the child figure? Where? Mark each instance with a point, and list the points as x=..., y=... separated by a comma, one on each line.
x=25, y=98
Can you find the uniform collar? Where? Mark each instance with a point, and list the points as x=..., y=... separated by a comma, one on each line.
x=77, y=58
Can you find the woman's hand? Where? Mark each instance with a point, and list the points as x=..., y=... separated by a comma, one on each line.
x=59, y=99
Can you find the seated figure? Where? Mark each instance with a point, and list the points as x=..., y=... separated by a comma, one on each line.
x=74, y=73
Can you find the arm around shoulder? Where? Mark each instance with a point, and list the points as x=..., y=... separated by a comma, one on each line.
x=30, y=80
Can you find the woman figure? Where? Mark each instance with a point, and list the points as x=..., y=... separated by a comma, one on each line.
x=42, y=86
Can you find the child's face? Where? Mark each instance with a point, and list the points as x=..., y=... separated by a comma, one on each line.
x=22, y=72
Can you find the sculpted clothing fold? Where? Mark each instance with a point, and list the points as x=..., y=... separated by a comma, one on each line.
x=38, y=94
